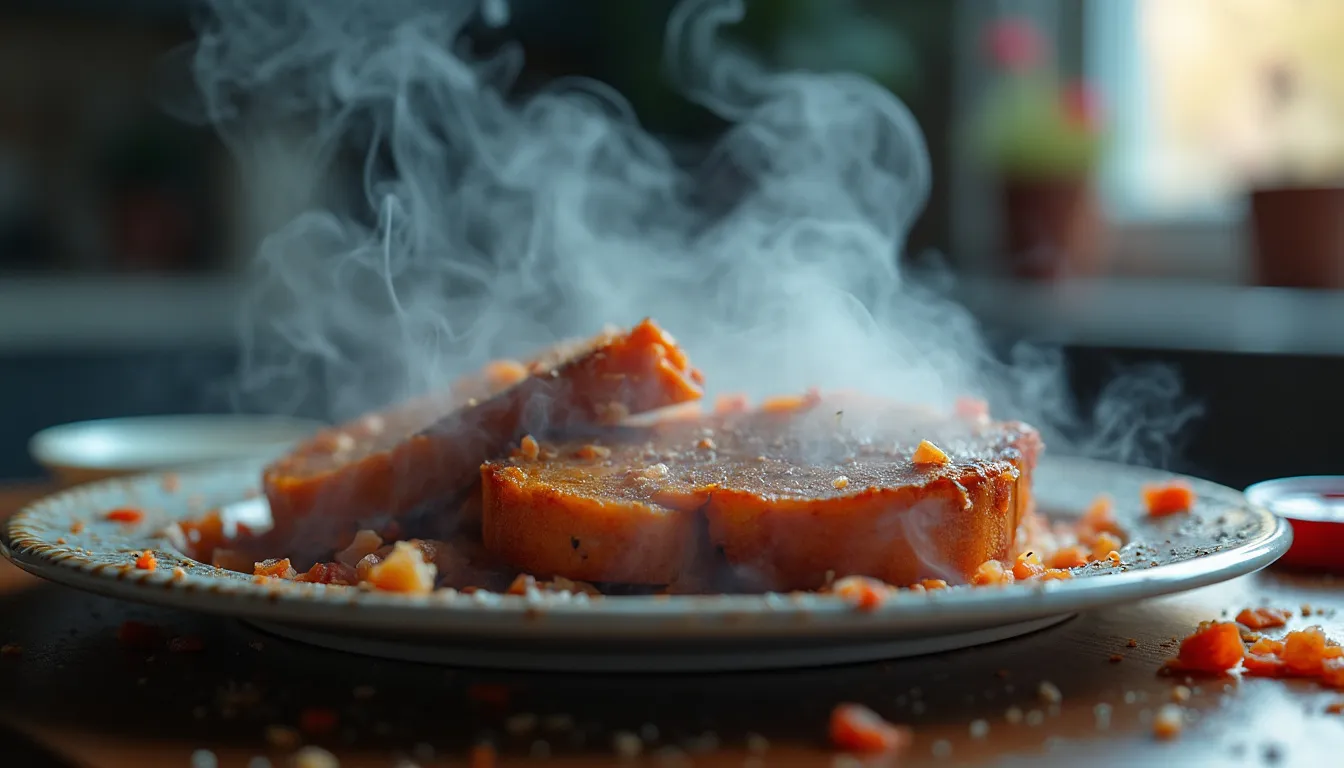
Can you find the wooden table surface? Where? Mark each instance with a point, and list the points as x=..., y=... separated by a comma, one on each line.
x=80, y=698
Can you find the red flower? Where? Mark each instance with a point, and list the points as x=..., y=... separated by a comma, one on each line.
x=1082, y=107
x=1014, y=44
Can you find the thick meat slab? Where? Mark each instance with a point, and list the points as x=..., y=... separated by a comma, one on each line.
x=790, y=493
x=391, y=464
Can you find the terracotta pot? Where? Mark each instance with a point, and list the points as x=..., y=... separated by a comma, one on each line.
x=1299, y=236
x=1051, y=228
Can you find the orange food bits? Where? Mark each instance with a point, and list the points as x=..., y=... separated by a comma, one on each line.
x=856, y=728
x=933, y=584
x=1028, y=564
x=992, y=573
x=502, y=374
x=280, y=568
x=127, y=515
x=146, y=561
x=1263, y=618
x=1335, y=708
x=403, y=570
x=971, y=409
x=1100, y=517
x=1214, y=647
x=1055, y=574
x=1267, y=645
x=1168, y=499
x=1104, y=545
x=366, y=542
x=77, y=526
x=529, y=449
x=864, y=593
x=595, y=452
x=1069, y=557
x=1304, y=651
x=1263, y=665
x=1168, y=722
x=927, y=453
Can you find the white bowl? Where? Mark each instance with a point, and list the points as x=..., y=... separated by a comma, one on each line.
x=91, y=450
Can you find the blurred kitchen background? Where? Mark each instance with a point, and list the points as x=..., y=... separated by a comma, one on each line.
x=1135, y=180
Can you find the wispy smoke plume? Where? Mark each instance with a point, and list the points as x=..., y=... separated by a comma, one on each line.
x=490, y=224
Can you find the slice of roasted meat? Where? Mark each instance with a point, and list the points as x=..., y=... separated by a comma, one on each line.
x=791, y=493
x=428, y=453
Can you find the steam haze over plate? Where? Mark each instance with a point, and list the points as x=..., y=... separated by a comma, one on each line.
x=502, y=223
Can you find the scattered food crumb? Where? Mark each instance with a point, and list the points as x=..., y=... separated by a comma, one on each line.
x=1116, y=658
x=1168, y=499
x=146, y=561
x=1168, y=722
x=1263, y=618
x=840, y=482
x=1048, y=693
x=927, y=453
x=1335, y=707
x=1214, y=647
x=856, y=728
x=125, y=515
x=1132, y=643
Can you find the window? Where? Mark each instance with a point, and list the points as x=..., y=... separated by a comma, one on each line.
x=1212, y=97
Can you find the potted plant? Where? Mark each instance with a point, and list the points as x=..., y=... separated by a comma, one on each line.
x=1297, y=185
x=1043, y=138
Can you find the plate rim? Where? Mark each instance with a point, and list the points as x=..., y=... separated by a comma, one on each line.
x=720, y=616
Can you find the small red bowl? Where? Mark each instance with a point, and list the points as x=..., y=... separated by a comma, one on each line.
x=1314, y=507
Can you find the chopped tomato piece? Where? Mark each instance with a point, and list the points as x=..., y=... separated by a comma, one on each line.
x=1304, y=651
x=330, y=573
x=1332, y=674
x=277, y=568
x=146, y=561
x=1028, y=564
x=1104, y=545
x=927, y=453
x=125, y=515
x=1258, y=665
x=864, y=593
x=1214, y=647
x=1263, y=618
x=856, y=728
x=933, y=584
x=1168, y=499
x=1267, y=646
x=992, y=573
x=1099, y=518
x=1069, y=557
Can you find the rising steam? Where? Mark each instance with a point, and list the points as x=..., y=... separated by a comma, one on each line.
x=492, y=224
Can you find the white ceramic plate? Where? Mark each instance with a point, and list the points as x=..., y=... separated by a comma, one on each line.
x=1222, y=538
x=91, y=450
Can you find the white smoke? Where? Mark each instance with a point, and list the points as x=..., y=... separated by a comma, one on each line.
x=491, y=224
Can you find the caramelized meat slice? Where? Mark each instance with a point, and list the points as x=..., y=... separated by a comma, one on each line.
x=789, y=494
x=414, y=457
